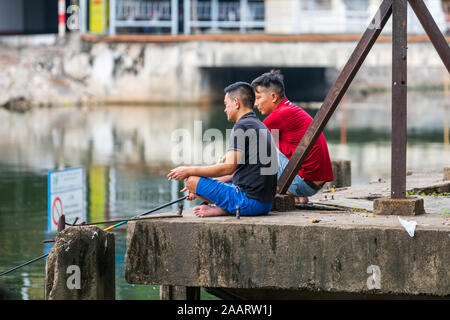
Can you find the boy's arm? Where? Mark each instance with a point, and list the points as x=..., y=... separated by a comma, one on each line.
x=218, y=170
x=226, y=178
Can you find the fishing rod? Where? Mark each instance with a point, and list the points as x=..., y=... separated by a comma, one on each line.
x=23, y=264
x=145, y=213
x=107, y=229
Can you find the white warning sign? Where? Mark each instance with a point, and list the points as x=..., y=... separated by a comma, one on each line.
x=65, y=195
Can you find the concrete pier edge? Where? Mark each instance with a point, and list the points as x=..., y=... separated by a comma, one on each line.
x=288, y=252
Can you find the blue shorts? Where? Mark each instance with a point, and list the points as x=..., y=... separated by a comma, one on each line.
x=298, y=187
x=227, y=196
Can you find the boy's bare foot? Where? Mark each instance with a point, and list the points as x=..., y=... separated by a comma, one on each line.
x=208, y=211
x=301, y=200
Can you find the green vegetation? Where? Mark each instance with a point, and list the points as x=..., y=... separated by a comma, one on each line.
x=434, y=194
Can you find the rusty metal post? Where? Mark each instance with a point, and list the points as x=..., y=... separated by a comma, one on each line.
x=335, y=95
x=399, y=99
x=180, y=209
x=61, y=223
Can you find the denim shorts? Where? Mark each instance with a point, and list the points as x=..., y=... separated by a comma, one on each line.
x=299, y=187
x=227, y=196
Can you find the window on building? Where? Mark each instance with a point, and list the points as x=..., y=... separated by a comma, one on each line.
x=316, y=5
x=356, y=5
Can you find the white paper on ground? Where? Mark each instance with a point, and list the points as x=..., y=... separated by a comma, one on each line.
x=410, y=226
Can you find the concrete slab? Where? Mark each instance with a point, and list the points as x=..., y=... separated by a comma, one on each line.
x=361, y=197
x=411, y=206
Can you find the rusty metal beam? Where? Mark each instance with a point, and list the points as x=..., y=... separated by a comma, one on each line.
x=335, y=95
x=432, y=30
x=399, y=99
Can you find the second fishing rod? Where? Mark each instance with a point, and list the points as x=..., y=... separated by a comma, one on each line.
x=121, y=222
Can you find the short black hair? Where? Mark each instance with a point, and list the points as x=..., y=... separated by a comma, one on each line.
x=244, y=91
x=272, y=80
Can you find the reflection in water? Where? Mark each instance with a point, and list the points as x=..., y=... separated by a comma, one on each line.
x=126, y=153
x=97, y=194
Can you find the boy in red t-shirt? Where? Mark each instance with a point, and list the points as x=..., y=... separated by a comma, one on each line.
x=290, y=123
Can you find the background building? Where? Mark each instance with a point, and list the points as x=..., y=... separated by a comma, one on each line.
x=28, y=16
x=206, y=16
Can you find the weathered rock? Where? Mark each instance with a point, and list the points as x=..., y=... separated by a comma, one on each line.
x=410, y=206
x=285, y=251
x=19, y=104
x=92, y=251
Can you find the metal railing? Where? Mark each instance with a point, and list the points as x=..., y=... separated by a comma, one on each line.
x=135, y=13
x=215, y=15
x=307, y=17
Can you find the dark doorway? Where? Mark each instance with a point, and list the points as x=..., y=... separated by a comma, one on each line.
x=308, y=84
x=40, y=16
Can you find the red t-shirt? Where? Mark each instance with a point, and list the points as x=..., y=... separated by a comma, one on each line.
x=292, y=123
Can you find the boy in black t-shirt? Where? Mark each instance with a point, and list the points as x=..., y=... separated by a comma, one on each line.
x=248, y=175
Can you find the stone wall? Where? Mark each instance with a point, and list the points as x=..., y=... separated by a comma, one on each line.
x=79, y=72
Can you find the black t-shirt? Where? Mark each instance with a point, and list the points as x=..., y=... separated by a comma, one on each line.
x=256, y=173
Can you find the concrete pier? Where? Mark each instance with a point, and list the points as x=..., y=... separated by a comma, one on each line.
x=81, y=265
x=308, y=253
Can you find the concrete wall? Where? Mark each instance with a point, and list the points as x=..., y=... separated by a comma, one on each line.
x=286, y=252
x=172, y=72
x=179, y=72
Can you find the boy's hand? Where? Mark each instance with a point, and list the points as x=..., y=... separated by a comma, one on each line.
x=191, y=196
x=179, y=173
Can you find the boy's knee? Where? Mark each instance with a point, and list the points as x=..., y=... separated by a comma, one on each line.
x=191, y=183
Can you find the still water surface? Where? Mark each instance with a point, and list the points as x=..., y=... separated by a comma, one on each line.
x=126, y=152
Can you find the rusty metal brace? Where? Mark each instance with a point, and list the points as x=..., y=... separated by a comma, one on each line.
x=61, y=226
x=180, y=209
